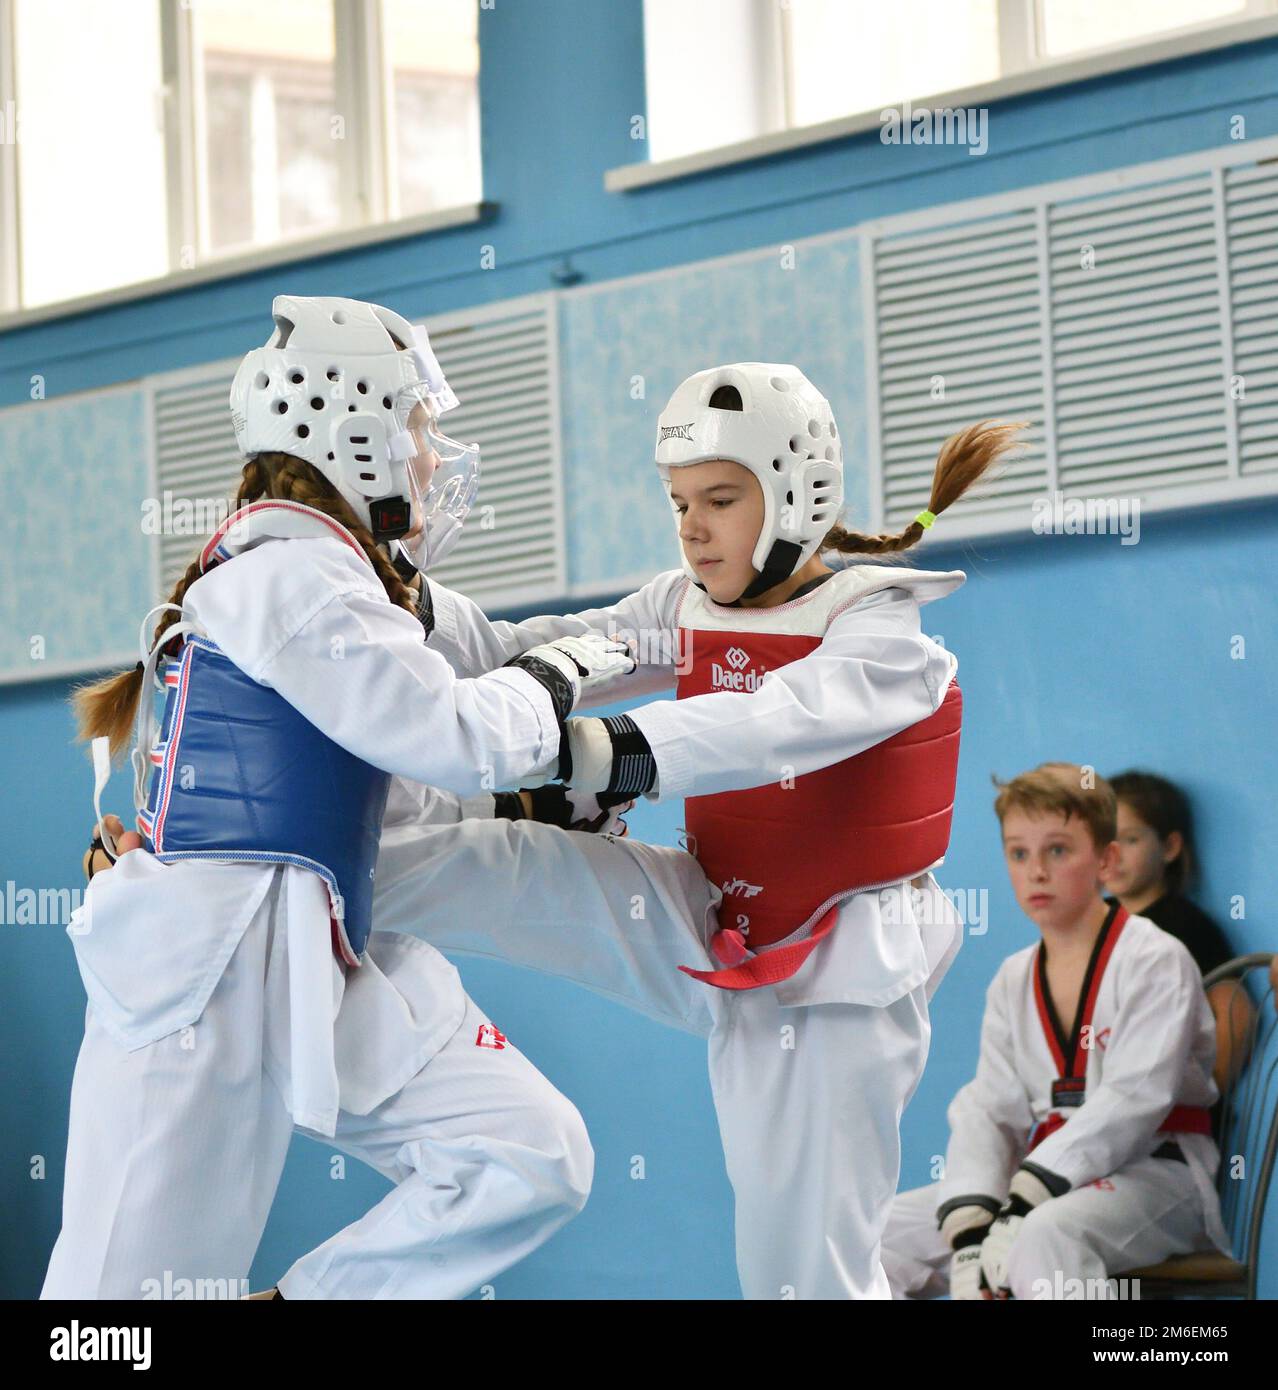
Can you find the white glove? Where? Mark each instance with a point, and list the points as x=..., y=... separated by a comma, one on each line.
x=587, y=813
x=965, y=1263
x=584, y=662
x=609, y=756
x=1024, y=1193
x=591, y=750
x=965, y=1274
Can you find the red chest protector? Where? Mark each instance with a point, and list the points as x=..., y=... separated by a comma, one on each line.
x=787, y=853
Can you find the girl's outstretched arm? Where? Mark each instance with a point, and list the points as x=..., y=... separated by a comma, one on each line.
x=472, y=643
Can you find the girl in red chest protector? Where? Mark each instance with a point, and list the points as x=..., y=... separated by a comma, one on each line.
x=816, y=738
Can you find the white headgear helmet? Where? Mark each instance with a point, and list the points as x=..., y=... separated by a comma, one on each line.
x=768, y=417
x=331, y=387
x=772, y=420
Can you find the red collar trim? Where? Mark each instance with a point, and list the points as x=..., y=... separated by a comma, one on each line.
x=1066, y=1051
x=268, y=504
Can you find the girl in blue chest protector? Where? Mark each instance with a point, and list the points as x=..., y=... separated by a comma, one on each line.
x=235, y=991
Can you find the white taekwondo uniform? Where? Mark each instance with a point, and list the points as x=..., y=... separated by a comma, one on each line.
x=811, y=1073
x=1117, y=1107
x=219, y=1017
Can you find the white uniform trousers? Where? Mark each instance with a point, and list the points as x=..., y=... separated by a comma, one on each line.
x=175, y=1151
x=809, y=1102
x=809, y=1099
x=1073, y=1246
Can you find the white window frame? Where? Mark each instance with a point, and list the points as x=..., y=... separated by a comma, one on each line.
x=1020, y=29
x=9, y=267
x=367, y=168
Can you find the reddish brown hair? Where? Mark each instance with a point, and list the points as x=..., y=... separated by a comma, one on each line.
x=1062, y=789
x=963, y=459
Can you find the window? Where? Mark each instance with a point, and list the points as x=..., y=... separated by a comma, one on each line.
x=434, y=81
x=164, y=136
x=268, y=88
x=89, y=147
x=842, y=58
x=725, y=71
x=1068, y=27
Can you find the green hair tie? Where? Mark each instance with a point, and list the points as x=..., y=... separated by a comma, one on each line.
x=925, y=519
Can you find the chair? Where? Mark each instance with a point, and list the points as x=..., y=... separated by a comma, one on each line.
x=1248, y=1131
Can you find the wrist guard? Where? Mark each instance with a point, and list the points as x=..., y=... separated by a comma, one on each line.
x=634, y=769
x=967, y=1224
x=613, y=759
x=557, y=685
x=1032, y=1184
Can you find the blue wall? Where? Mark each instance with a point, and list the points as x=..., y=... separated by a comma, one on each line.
x=1071, y=647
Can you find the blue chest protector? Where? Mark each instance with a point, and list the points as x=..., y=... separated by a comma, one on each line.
x=240, y=776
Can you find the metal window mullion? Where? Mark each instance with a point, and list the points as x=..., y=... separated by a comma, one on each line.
x=1019, y=29
x=1233, y=456
x=384, y=166
x=873, y=424
x=265, y=159
x=774, y=98
x=10, y=249
x=1049, y=356
x=555, y=403
x=360, y=101
x=184, y=154
x=151, y=450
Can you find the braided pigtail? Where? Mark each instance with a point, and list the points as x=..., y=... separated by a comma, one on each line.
x=963, y=459
x=292, y=479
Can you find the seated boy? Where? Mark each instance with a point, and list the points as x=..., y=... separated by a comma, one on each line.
x=1082, y=1147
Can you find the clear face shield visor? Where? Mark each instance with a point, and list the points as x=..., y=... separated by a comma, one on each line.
x=443, y=479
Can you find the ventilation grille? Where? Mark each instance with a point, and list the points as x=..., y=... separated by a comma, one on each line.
x=1251, y=216
x=1137, y=339
x=504, y=369
x=960, y=338
x=1135, y=329
x=197, y=464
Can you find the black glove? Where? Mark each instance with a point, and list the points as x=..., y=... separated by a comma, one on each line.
x=567, y=809
x=96, y=845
